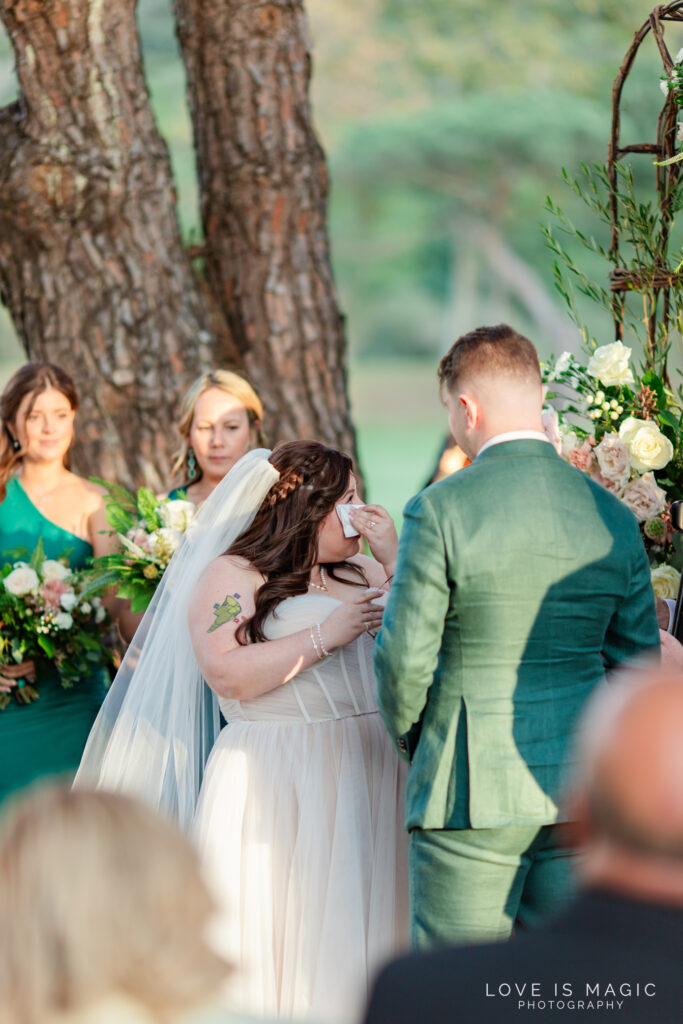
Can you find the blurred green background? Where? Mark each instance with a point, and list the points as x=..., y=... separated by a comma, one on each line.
x=445, y=123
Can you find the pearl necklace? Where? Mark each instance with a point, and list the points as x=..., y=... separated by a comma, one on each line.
x=323, y=578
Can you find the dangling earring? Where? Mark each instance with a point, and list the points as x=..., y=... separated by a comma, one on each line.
x=191, y=464
x=15, y=444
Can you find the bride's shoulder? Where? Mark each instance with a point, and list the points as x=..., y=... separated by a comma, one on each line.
x=232, y=567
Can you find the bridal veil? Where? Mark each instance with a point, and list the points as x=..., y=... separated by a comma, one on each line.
x=159, y=721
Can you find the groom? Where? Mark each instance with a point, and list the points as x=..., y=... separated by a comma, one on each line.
x=518, y=580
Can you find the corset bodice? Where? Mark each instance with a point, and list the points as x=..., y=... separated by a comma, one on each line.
x=338, y=687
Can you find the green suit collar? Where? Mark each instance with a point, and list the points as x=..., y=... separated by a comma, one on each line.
x=525, y=447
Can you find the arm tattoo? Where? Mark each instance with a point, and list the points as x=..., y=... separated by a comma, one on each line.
x=226, y=612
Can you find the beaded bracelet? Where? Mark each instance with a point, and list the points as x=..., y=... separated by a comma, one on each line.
x=325, y=651
x=320, y=657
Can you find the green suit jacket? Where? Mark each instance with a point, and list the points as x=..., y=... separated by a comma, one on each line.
x=519, y=579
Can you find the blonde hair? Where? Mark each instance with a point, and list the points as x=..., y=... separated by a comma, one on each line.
x=226, y=381
x=99, y=897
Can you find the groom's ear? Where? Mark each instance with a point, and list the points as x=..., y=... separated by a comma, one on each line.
x=472, y=410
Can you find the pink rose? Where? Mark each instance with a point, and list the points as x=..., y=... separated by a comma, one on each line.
x=52, y=593
x=551, y=428
x=644, y=497
x=139, y=537
x=596, y=475
x=613, y=459
x=584, y=457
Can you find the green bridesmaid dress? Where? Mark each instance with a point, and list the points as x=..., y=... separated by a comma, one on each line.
x=48, y=736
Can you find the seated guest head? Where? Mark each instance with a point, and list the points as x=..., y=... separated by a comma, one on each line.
x=220, y=420
x=627, y=798
x=491, y=384
x=102, y=909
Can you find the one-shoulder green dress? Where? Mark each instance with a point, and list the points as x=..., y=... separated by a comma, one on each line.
x=48, y=736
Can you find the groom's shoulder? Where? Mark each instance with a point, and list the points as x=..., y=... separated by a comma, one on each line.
x=474, y=485
x=443, y=490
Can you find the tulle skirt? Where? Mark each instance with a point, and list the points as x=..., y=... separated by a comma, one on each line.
x=299, y=827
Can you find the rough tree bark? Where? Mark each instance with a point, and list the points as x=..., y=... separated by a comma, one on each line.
x=92, y=266
x=263, y=184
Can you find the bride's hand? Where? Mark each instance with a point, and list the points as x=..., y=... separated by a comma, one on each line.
x=351, y=618
x=375, y=524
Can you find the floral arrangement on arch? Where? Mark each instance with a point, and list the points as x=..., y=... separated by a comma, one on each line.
x=149, y=530
x=625, y=432
x=673, y=83
x=51, y=615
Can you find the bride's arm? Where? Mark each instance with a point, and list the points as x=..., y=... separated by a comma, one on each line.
x=224, y=598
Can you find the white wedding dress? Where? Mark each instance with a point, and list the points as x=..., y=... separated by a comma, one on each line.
x=299, y=826
x=298, y=810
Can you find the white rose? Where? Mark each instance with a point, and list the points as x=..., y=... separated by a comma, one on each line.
x=53, y=570
x=665, y=581
x=22, y=580
x=563, y=363
x=163, y=542
x=570, y=441
x=68, y=600
x=177, y=514
x=613, y=457
x=63, y=620
x=610, y=364
x=644, y=497
x=649, y=447
x=86, y=608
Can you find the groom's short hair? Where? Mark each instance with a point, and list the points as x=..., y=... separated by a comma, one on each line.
x=489, y=352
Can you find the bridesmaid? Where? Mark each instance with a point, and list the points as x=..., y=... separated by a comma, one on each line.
x=42, y=499
x=220, y=421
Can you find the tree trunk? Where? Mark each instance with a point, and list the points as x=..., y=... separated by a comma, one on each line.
x=92, y=266
x=263, y=185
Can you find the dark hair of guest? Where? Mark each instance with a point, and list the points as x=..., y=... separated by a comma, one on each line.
x=282, y=541
x=30, y=379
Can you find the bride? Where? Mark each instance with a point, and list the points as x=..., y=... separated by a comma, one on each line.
x=298, y=815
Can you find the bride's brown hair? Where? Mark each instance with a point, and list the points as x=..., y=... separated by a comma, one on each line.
x=282, y=541
x=30, y=379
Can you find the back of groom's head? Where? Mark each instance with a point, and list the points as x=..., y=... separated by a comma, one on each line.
x=489, y=353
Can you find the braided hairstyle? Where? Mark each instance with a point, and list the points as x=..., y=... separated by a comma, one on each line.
x=282, y=541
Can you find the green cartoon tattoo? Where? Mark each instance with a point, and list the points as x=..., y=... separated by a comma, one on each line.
x=226, y=612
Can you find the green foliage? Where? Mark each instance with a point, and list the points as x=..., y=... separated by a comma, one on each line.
x=647, y=327
x=143, y=553
x=432, y=114
x=148, y=508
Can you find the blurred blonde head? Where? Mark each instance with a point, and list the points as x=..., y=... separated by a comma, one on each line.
x=100, y=898
x=232, y=384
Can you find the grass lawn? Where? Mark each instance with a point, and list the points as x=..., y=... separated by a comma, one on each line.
x=401, y=425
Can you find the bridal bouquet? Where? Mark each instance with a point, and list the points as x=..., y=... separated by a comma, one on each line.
x=52, y=615
x=149, y=530
x=626, y=432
